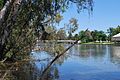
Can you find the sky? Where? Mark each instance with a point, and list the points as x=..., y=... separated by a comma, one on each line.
x=106, y=13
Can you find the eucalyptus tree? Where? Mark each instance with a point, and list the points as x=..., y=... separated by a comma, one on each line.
x=110, y=33
x=21, y=20
x=95, y=35
x=61, y=34
x=82, y=36
x=72, y=27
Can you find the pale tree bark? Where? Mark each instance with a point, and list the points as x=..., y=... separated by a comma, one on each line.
x=4, y=11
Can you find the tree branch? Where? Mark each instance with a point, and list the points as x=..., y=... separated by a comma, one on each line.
x=57, y=57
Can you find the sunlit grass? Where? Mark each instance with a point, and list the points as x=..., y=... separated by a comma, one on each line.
x=99, y=43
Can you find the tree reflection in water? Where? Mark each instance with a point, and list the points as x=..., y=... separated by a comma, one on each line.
x=29, y=70
x=85, y=51
x=115, y=54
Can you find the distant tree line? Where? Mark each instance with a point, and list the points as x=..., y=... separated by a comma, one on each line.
x=96, y=36
x=91, y=36
x=85, y=35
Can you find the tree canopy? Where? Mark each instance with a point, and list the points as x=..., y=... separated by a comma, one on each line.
x=22, y=20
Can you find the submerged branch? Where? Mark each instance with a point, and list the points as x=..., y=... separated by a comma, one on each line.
x=57, y=57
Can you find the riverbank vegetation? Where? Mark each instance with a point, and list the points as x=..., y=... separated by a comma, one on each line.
x=24, y=21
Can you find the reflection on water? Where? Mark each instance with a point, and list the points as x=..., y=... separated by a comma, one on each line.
x=81, y=62
x=115, y=55
x=91, y=62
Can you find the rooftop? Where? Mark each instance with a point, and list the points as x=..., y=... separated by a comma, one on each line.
x=117, y=35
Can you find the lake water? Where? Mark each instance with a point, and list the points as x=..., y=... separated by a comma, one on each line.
x=81, y=62
x=84, y=62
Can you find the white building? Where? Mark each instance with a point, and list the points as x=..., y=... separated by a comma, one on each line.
x=116, y=37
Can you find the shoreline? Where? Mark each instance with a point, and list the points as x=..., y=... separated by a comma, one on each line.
x=100, y=43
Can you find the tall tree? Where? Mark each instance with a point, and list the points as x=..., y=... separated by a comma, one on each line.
x=72, y=27
x=20, y=20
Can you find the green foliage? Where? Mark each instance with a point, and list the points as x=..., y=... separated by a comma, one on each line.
x=99, y=35
x=54, y=34
x=90, y=36
x=76, y=37
x=59, y=48
x=72, y=26
x=9, y=54
x=85, y=36
x=61, y=34
x=82, y=36
x=113, y=31
x=1, y=4
x=26, y=21
x=58, y=18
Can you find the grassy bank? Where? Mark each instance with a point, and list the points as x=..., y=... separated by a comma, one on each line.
x=99, y=43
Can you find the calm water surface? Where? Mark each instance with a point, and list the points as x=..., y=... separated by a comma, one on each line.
x=85, y=62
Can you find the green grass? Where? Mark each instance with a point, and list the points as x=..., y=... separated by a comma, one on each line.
x=99, y=43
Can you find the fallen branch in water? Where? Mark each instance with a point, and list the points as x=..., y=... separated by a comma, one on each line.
x=57, y=57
